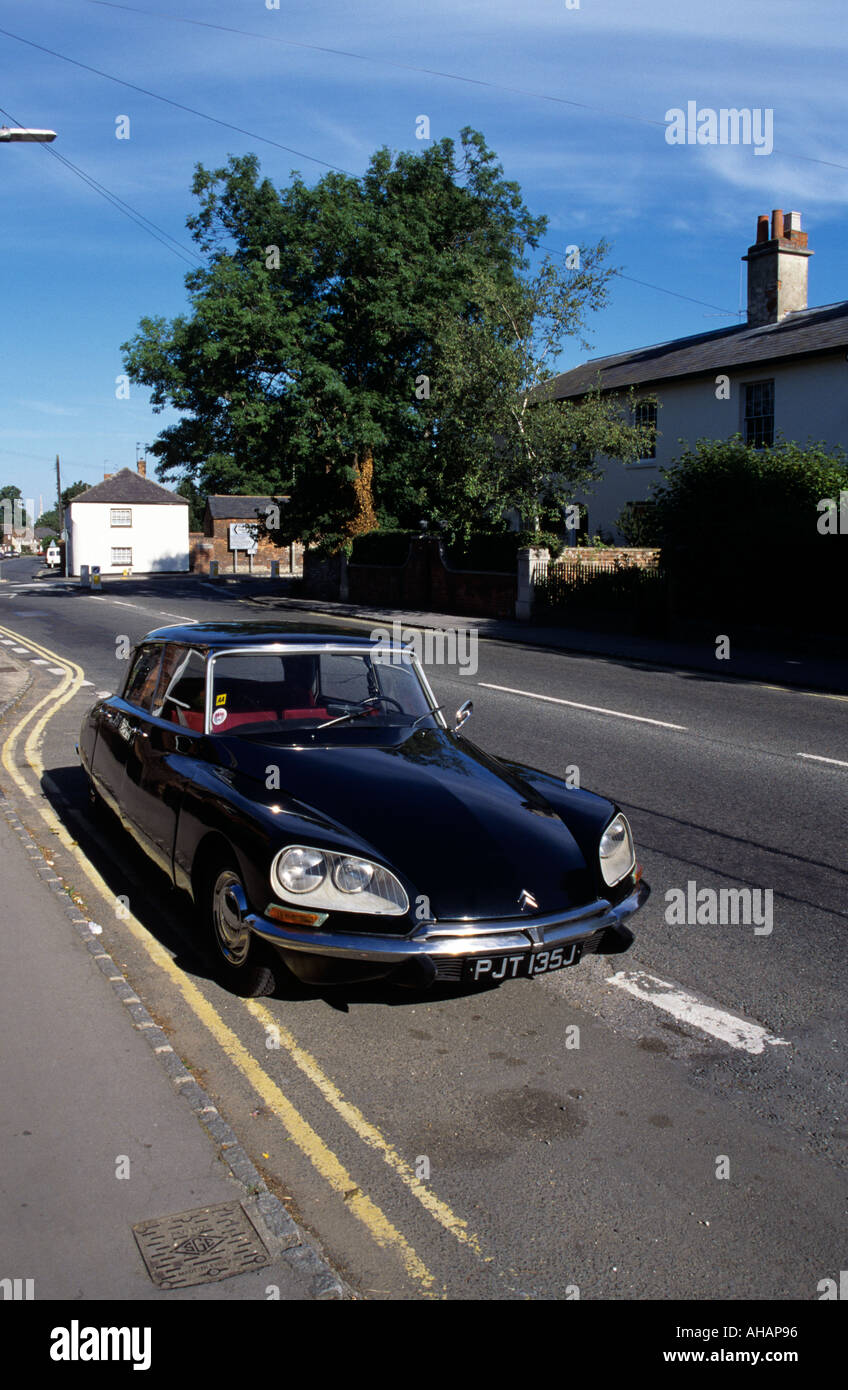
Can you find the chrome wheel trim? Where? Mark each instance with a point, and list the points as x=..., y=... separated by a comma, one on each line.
x=228, y=906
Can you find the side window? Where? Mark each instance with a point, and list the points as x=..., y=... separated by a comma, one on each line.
x=143, y=677
x=181, y=691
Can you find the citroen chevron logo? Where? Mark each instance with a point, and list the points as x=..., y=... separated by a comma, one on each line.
x=527, y=900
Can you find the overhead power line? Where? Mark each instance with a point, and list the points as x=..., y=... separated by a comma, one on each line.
x=429, y=72
x=99, y=72
x=178, y=105
x=158, y=233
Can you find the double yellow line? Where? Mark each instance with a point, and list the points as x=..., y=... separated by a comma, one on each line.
x=322, y=1158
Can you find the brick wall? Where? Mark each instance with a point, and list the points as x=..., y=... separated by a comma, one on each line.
x=606, y=558
x=426, y=583
x=203, y=548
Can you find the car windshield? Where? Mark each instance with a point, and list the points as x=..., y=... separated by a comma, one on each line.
x=323, y=692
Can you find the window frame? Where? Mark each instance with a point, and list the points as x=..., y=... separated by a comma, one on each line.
x=120, y=511
x=155, y=647
x=639, y=408
x=184, y=651
x=751, y=386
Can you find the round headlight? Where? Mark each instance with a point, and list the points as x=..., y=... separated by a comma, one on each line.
x=616, y=851
x=301, y=870
x=353, y=875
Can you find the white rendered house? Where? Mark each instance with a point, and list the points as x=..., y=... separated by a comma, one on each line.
x=784, y=371
x=128, y=522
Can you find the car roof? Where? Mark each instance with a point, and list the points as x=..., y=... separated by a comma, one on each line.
x=220, y=636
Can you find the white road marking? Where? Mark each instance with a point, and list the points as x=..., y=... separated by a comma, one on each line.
x=575, y=704
x=39, y=661
x=25, y=650
x=817, y=758
x=7, y=641
x=727, y=1027
x=57, y=670
x=158, y=612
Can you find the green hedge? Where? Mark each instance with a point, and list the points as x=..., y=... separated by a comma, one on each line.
x=381, y=548
x=489, y=550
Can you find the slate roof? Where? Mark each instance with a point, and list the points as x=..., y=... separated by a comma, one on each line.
x=223, y=507
x=128, y=487
x=803, y=333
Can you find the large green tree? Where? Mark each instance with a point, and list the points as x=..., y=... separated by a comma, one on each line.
x=358, y=344
x=504, y=440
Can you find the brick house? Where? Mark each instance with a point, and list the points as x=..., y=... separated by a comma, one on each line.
x=215, y=541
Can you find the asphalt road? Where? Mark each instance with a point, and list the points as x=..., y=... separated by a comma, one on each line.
x=504, y=1160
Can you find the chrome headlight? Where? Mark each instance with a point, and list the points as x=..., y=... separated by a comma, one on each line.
x=617, y=855
x=323, y=878
x=300, y=870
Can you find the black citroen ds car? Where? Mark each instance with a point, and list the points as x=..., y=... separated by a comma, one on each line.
x=313, y=800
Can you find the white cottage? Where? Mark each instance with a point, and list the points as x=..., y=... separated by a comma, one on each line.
x=782, y=372
x=128, y=522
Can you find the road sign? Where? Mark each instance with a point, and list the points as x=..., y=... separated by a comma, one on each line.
x=242, y=537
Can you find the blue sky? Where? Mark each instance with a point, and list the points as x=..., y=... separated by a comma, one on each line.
x=77, y=275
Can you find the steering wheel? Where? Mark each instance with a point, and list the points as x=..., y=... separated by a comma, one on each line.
x=384, y=699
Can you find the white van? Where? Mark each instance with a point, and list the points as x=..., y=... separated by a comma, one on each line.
x=53, y=556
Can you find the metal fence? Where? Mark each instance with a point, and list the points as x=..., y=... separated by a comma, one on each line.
x=597, y=585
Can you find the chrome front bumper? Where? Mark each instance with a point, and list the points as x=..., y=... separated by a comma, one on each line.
x=457, y=938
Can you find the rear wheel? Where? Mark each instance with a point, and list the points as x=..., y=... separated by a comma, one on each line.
x=242, y=962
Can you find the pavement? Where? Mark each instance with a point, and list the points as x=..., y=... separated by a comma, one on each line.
x=103, y=1128
x=795, y=665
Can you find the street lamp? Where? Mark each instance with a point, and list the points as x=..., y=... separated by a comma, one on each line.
x=22, y=133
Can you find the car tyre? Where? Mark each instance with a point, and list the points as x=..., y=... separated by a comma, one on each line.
x=97, y=808
x=241, y=961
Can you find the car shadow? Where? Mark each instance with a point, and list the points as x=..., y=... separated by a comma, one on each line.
x=168, y=914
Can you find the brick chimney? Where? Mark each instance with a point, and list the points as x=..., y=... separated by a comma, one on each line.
x=777, y=269
x=141, y=465
x=107, y=476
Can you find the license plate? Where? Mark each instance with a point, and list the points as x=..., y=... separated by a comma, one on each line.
x=522, y=964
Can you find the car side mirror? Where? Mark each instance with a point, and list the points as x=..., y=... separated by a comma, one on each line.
x=463, y=714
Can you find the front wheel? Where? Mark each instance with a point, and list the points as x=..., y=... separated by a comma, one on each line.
x=241, y=960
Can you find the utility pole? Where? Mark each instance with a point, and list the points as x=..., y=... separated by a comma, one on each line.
x=59, y=497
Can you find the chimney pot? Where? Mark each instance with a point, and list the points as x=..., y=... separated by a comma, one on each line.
x=141, y=465
x=777, y=269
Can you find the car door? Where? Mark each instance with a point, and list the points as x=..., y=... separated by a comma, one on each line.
x=160, y=757
x=118, y=722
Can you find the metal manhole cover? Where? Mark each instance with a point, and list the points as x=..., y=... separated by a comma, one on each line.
x=200, y=1247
